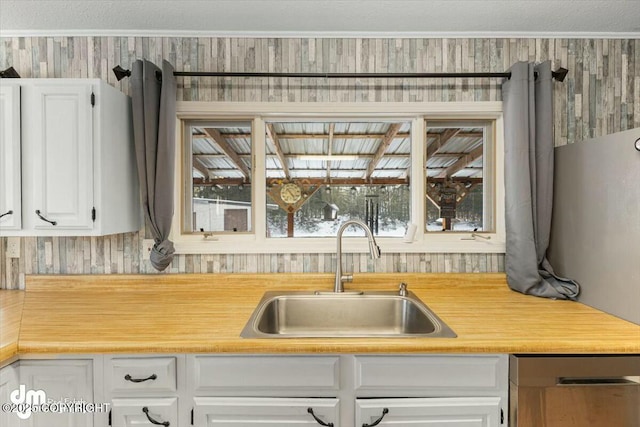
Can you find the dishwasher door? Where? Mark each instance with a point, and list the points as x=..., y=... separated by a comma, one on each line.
x=574, y=391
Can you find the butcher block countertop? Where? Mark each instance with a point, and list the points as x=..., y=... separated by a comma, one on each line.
x=10, y=315
x=205, y=313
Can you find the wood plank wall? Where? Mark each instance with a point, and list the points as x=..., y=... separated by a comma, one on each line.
x=601, y=95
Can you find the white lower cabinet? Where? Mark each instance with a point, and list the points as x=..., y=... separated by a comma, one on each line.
x=61, y=381
x=226, y=390
x=144, y=412
x=265, y=412
x=431, y=412
x=144, y=390
x=8, y=383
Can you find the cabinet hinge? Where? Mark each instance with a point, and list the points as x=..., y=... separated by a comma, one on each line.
x=93, y=99
x=109, y=417
x=501, y=416
x=93, y=214
x=191, y=416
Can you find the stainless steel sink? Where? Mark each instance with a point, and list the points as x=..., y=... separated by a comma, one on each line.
x=369, y=314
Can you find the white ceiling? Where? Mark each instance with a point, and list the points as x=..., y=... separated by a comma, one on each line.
x=383, y=18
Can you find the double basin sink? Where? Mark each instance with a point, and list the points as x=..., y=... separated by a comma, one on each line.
x=347, y=314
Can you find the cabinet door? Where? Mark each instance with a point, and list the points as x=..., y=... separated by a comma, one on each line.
x=8, y=383
x=10, y=182
x=58, y=128
x=61, y=381
x=265, y=412
x=432, y=412
x=143, y=412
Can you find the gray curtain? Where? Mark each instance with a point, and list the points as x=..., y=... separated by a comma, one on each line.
x=528, y=132
x=154, y=116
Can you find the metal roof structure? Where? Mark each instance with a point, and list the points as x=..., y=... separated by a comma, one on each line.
x=335, y=153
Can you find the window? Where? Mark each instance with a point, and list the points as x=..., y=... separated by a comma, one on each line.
x=459, y=176
x=217, y=177
x=273, y=177
x=320, y=174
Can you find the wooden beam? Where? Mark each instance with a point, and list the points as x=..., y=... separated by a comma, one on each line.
x=335, y=135
x=332, y=127
x=441, y=140
x=290, y=223
x=337, y=156
x=233, y=156
x=466, y=192
x=341, y=181
x=384, y=144
x=310, y=181
x=462, y=162
x=200, y=167
x=276, y=143
x=400, y=135
x=456, y=179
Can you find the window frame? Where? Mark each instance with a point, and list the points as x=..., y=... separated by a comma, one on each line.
x=489, y=169
x=417, y=113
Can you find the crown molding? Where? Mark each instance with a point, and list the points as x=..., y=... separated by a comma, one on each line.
x=320, y=35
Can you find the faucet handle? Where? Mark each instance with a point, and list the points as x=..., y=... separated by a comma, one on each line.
x=402, y=289
x=346, y=278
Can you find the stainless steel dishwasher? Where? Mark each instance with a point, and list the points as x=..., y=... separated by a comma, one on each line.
x=574, y=391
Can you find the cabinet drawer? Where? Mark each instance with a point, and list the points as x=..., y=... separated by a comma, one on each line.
x=157, y=374
x=144, y=412
x=471, y=375
x=260, y=373
x=450, y=411
x=265, y=412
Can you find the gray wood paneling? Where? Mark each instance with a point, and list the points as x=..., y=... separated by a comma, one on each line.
x=600, y=96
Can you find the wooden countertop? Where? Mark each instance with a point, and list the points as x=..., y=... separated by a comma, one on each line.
x=10, y=314
x=204, y=313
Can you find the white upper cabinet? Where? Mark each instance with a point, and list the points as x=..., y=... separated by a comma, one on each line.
x=60, y=155
x=78, y=163
x=10, y=182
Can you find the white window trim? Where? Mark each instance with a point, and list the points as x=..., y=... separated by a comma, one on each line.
x=257, y=242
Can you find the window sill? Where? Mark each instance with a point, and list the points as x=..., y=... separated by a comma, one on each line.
x=249, y=244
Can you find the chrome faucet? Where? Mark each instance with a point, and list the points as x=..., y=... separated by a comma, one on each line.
x=374, y=250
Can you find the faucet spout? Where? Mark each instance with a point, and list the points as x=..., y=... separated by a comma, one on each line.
x=374, y=250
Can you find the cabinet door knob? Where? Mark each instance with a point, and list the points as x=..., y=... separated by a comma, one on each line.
x=7, y=213
x=140, y=380
x=152, y=421
x=318, y=420
x=385, y=411
x=44, y=219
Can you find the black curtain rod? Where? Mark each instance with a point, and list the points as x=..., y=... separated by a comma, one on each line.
x=121, y=73
x=9, y=73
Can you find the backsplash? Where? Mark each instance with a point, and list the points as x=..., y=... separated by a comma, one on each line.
x=601, y=95
x=121, y=254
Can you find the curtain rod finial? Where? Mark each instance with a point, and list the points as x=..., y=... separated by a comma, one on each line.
x=120, y=72
x=9, y=73
x=560, y=74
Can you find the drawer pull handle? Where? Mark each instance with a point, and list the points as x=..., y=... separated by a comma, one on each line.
x=140, y=380
x=152, y=421
x=7, y=213
x=318, y=420
x=385, y=411
x=44, y=219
